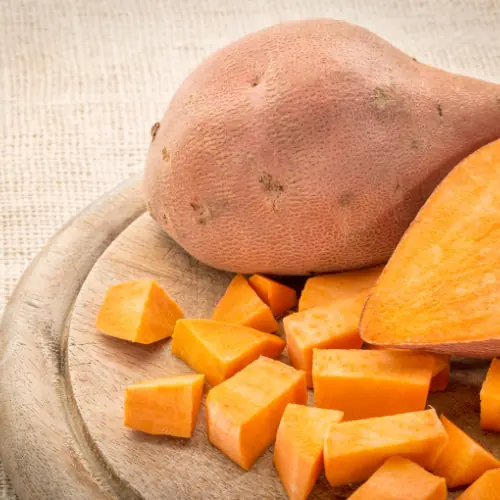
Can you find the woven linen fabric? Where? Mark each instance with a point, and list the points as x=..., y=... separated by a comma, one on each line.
x=82, y=81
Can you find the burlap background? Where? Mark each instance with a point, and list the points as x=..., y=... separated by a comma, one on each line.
x=82, y=81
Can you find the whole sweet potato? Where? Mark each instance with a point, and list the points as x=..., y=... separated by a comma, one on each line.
x=309, y=147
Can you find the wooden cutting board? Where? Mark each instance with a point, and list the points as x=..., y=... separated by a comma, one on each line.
x=62, y=382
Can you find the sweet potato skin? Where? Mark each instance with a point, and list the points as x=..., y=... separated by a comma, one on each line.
x=309, y=147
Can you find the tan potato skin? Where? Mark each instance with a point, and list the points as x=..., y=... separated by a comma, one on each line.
x=309, y=147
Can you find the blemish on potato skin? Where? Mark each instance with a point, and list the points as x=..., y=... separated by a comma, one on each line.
x=269, y=183
x=154, y=131
x=397, y=187
x=415, y=144
x=165, y=154
x=346, y=199
x=440, y=110
x=380, y=98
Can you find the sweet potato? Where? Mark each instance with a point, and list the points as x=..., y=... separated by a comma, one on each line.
x=490, y=398
x=462, y=460
x=298, y=451
x=325, y=288
x=219, y=350
x=401, y=478
x=440, y=290
x=332, y=326
x=138, y=311
x=370, y=383
x=167, y=406
x=440, y=372
x=244, y=412
x=355, y=450
x=280, y=298
x=487, y=487
x=309, y=147
x=241, y=305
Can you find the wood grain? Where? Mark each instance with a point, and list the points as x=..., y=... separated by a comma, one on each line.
x=62, y=382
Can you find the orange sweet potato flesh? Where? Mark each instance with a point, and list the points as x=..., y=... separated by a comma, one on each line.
x=490, y=398
x=241, y=305
x=323, y=289
x=401, y=478
x=165, y=406
x=462, y=460
x=440, y=290
x=371, y=383
x=138, y=311
x=355, y=450
x=487, y=487
x=244, y=412
x=280, y=298
x=219, y=350
x=440, y=373
x=298, y=451
x=332, y=326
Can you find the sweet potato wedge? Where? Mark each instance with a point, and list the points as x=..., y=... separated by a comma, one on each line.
x=490, y=398
x=219, y=350
x=487, y=487
x=280, y=298
x=355, y=450
x=298, y=451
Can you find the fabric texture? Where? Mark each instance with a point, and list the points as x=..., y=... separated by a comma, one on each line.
x=82, y=81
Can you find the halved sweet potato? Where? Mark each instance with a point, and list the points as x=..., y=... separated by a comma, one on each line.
x=280, y=298
x=241, y=305
x=325, y=288
x=138, y=311
x=332, y=326
x=298, y=451
x=462, y=460
x=355, y=450
x=164, y=406
x=219, y=350
x=440, y=290
x=244, y=412
x=401, y=478
x=490, y=398
x=371, y=383
x=487, y=487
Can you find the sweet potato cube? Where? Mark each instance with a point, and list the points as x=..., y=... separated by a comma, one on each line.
x=355, y=450
x=298, y=451
x=244, y=412
x=138, y=311
x=490, y=398
x=241, y=305
x=332, y=326
x=219, y=350
x=325, y=288
x=401, y=478
x=371, y=383
x=280, y=298
x=164, y=406
x=487, y=487
x=462, y=460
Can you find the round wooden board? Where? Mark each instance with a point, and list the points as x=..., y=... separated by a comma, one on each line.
x=62, y=382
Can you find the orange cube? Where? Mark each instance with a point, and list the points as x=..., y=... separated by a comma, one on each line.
x=244, y=412
x=490, y=398
x=334, y=326
x=462, y=460
x=325, y=288
x=241, y=305
x=371, y=383
x=298, y=451
x=401, y=478
x=355, y=450
x=164, y=406
x=487, y=487
x=280, y=298
x=219, y=350
x=138, y=311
